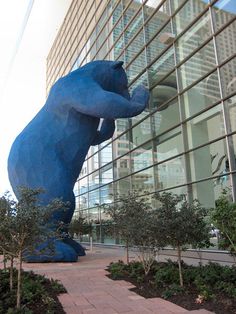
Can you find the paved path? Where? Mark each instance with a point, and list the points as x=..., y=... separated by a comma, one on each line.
x=90, y=291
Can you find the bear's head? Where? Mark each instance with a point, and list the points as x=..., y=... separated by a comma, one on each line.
x=110, y=75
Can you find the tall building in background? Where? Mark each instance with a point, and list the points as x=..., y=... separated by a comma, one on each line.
x=185, y=141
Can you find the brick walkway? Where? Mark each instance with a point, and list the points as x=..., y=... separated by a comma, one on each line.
x=90, y=291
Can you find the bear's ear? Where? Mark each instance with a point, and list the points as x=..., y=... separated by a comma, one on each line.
x=117, y=64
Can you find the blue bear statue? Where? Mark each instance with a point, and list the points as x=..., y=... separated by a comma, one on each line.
x=50, y=151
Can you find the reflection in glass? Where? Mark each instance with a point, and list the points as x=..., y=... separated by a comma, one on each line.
x=106, y=155
x=170, y=173
x=141, y=157
x=226, y=42
x=143, y=181
x=167, y=118
x=207, y=192
x=93, y=180
x=122, y=166
x=194, y=68
x=205, y=127
x=106, y=174
x=121, y=145
x=159, y=43
x=230, y=107
x=223, y=11
x=168, y=145
x=106, y=194
x=94, y=199
x=193, y=38
x=122, y=187
x=141, y=132
x=187, y=14
x=228, y=77
x=201, y=95
x=163, y=91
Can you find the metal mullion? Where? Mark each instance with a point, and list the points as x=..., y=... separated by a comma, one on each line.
x=110, y=15
x=113, y=27
x=125, y=28
x=230, y=152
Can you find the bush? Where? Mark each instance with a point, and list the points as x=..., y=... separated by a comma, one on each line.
x=117, y=270
x=167, y=274
x=35, y=291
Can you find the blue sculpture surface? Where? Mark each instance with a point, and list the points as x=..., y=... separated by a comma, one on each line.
x=50, y=151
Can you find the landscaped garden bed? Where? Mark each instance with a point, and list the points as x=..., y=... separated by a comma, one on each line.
x=38, y=296
x=212, y=287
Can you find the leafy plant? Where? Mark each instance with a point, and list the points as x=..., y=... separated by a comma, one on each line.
x=224, y=218
x=181, y=223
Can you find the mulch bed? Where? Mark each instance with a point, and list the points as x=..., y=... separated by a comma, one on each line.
x=220, y=305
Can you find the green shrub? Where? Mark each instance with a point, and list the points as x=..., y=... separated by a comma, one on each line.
x=135, y=270
x=167, y=274
x=172, y=290
x=117, y=270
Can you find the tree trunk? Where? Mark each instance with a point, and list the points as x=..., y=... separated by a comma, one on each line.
x=11, y=274
x=180, y=267
x=4, y=261
x=18, y=294
x=127, y=252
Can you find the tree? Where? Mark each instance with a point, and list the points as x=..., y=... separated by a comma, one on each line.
x=134, y=221
x=25, y=226
x=80, y=226
x=6, y=204
x=182, y=223
x=124, y=216
x=147, y=238
x=224, y=218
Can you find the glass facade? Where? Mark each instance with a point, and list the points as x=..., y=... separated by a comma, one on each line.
x=184, y=52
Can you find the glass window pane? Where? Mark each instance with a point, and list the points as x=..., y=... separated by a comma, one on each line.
x=163, y=91
x=141, y=157
x=160, y=16
x=168, y=145
x=205, y=127
x=143, y=181
x=122, y=166
x=159, y=43
x=83, y=201
x=226, y=42
x=106, y=155
x=201, y=96
x=210, y=160
x=193, y=38
x=187, y=14
x=141, y=132
x=93, y=180
x=207, y=192
x=228, y=77
x=157, y=20
x=230, y=106
x=167, y=118
x=106, y=174
x=170, y=173
x=161, y=67
x=194, y=68
x=93, y=163
x=224, y=11
x=83, y=185
x=122, y=187
x=121, y=145
x=106, y=194
x=94, y=198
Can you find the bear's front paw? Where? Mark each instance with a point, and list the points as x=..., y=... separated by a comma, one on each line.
x=140, y=95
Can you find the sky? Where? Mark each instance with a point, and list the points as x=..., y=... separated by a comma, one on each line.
x=27, y=31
